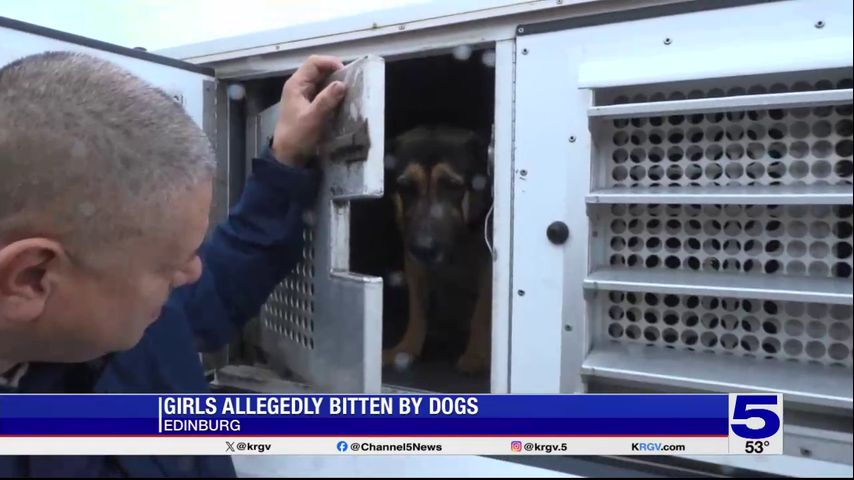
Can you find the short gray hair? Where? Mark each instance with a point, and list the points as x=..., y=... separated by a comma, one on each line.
x=90, y=152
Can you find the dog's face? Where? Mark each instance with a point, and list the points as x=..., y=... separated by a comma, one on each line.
x=441, y=189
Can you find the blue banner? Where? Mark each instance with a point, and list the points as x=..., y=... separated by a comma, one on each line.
x=366, y=415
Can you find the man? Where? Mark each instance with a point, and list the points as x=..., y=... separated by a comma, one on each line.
x=106, y=285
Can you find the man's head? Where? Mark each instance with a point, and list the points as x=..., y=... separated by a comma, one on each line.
x=105, y=189
x=442, y=189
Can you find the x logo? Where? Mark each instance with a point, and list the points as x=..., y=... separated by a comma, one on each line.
x=229, y=446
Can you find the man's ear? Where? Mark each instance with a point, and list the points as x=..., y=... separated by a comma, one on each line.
x=24, y=277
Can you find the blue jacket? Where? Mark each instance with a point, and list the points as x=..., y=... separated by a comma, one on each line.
x=244, y=259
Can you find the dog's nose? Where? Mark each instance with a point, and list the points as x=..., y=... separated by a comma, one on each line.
x=425, y=249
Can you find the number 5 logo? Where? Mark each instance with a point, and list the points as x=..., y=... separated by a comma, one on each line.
x=750, y=406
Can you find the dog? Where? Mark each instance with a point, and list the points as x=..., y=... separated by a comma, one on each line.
x=441, y=195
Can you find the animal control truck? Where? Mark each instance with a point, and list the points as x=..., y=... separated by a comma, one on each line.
x=672, y=201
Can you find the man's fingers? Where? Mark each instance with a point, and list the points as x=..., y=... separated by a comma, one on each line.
x=326, y=101
x=316, y=69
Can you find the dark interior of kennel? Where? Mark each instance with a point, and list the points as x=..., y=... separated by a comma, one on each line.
x=433, y=90
x=439, y=89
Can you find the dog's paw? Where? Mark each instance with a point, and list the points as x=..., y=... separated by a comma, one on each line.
x=471, y=364
x=398, y=359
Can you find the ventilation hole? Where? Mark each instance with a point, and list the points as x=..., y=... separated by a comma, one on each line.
x=650, y=316
x=656, y=155
x=714, y=133
x=651, y=299
x=710, y=264
x=637, y=155
x=673, y=244
x=712, y=227
x=633, y=314
x=692, y=227
x=638, y=122
x=821, y=169
x=844, y=127
x=799, y=169
x=656, y=172
x=636, y=226
x=756, y=115
x=755, y=132
x=675, y=153
x=693, y=171
x=822, y=129
x=770, y=308
x=729, y=341
x=670, y=335
x=713, y=170
x=615, y=330
x=755, y=170
x=777, y=114
x=616, y=296
x=825, y=111
x=711, y=246
x=672, y=262
x=750, y=343
x=793, y=348
x=633, y=332
x=842, y=229
x=734, y=132
x=841, y=270
x=656, y=137
x=778, y=131
x=673, y=227
x=772, y=266
x=838, y=352
x=774, y=248
x=777, y=150
x=620, y=173
x=734, y=116
x=734, y=151
x=822, y=149
x=820, y=229
x=638, y=172
x=689, y=337
x=774, y=228
x=770, y=345
x=750, y=324
x=634, y=260
x=733, y=228
x=653, y=244
x=694, y=153
x=840, y=331
x=709, y=320
x=675, y=136
x=632, y=298
x=844, y=147
x=729, y=322
x=799, y=149
x=620, y=156
x=843, y=168
x=618, y=243
x=714, y=117
x=818, y=269
x=815, y=350
x=709, y=339
x=841, y=250
x=621, y=123
x=618, y=226
x=800, y=112
x=755, y=150
x=796, y=267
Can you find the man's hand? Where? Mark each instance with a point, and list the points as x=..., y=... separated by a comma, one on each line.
x=303, y=112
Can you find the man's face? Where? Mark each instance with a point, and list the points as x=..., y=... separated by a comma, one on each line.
x=99, y=309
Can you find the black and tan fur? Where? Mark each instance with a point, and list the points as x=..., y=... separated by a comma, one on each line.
x=442, y=194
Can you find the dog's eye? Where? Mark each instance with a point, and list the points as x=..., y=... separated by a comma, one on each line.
x=450, y=184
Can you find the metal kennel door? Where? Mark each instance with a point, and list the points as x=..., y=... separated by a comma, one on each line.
x=323, y=322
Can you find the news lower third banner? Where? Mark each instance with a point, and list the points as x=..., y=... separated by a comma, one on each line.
x=733, y=424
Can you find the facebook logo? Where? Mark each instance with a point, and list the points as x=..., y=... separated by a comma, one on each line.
x=342, y=446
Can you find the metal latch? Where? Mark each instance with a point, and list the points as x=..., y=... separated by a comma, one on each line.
x=352, y=146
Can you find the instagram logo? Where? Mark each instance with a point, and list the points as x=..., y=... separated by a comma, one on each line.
x=516, y=446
